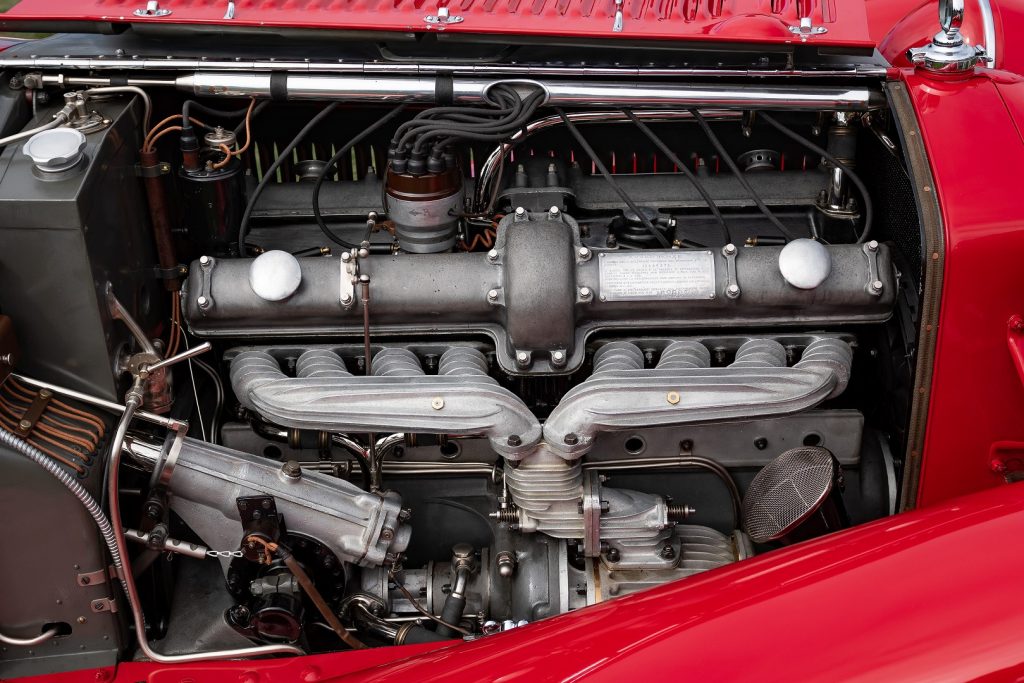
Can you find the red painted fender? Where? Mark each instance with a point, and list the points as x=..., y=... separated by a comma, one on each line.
x=927, y=595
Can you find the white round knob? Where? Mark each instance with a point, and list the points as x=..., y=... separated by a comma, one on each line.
x=275, y=275
x=805, y=263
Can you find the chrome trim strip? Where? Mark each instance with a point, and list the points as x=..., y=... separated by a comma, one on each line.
x=137, y=63
x=988, y=24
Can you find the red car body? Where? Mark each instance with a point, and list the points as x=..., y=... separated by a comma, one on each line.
x=930, y=594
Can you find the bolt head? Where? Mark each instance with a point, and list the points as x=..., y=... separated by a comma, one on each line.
x=204, y=260
x=203, y=302
x=520, y=212
x=514, y=441
x=554, y=212
x=346, y=256
x=873, y=245
x=523, y=358
x=733, y=290
x=24, y=424
x=437, y=403
x=586, y=293
x=672, y=397
x=729, y=249
x=571, y=439
x=877, y=286
x=492, y=295
x=584, y=253
x=346, y=299
x=291, y=469
x=558, y=357
x=387, y=533
x=492, y=255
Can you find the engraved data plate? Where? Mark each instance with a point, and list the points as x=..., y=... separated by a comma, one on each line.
x=645, y=276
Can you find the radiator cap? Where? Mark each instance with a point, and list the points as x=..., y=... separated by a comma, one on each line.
x=805, y=263
x=275, y=275
x=57, y=149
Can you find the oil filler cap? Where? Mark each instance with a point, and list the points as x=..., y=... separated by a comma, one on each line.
x=275, y=275
x=57, y=149
x=805, y=263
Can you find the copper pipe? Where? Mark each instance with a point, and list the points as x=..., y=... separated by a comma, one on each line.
x=160, y=219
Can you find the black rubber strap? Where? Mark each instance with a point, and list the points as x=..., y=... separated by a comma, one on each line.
x=444, y=90
x=279, y=86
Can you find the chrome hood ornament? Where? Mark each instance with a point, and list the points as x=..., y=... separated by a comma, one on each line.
x=948, y=53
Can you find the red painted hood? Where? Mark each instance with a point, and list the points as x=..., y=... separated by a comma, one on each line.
x=725, y=21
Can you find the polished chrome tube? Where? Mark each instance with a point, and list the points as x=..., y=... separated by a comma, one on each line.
x=160, y=420
x=421, y=68
x=567, y=93
x=28, y=642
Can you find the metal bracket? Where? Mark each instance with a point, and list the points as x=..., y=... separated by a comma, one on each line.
x=154, y=171
x=31, y=416
x=97, y=577
x=617, y=25
x=230, y=12
x=591, y=509
x=443, y=17
x=732, y=285
x=806, y=29
x=103, y=605
x=205, y=298
x=174, y=273
x=347, y=280
x=875, y=286
x=152, y=9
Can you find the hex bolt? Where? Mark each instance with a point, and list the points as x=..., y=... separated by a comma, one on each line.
x=492, y=295
x=877, y=286
x=387, y=533
x=729, y=249
x=584, y=253
x=732, y=291
x=586, y=294
x=203, y=302
x=346, y=256
x=571, y=439
x=364, y=252
x=522, y=358
x=437, y=403
x=24, y=424
x=520, y=213
x=554, y=212
x=204, y=260
x=873, y=245
x=492, y=256
x=514, y=441
x=558, y=358
x=668, y=552
x=291, y=469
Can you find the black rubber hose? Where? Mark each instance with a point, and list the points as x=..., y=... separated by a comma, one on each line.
x=330, y=164
x=611, y=181
x=268, y=175
x=685, y=168
x=724, y=156
x=451, y=613
x=854, y=178
x=189, y=105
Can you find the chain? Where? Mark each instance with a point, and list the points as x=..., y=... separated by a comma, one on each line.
x=224, y=553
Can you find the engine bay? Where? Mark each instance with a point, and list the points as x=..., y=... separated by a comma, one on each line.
x=358, y=361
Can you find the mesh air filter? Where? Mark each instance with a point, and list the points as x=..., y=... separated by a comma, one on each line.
x=786, y=492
